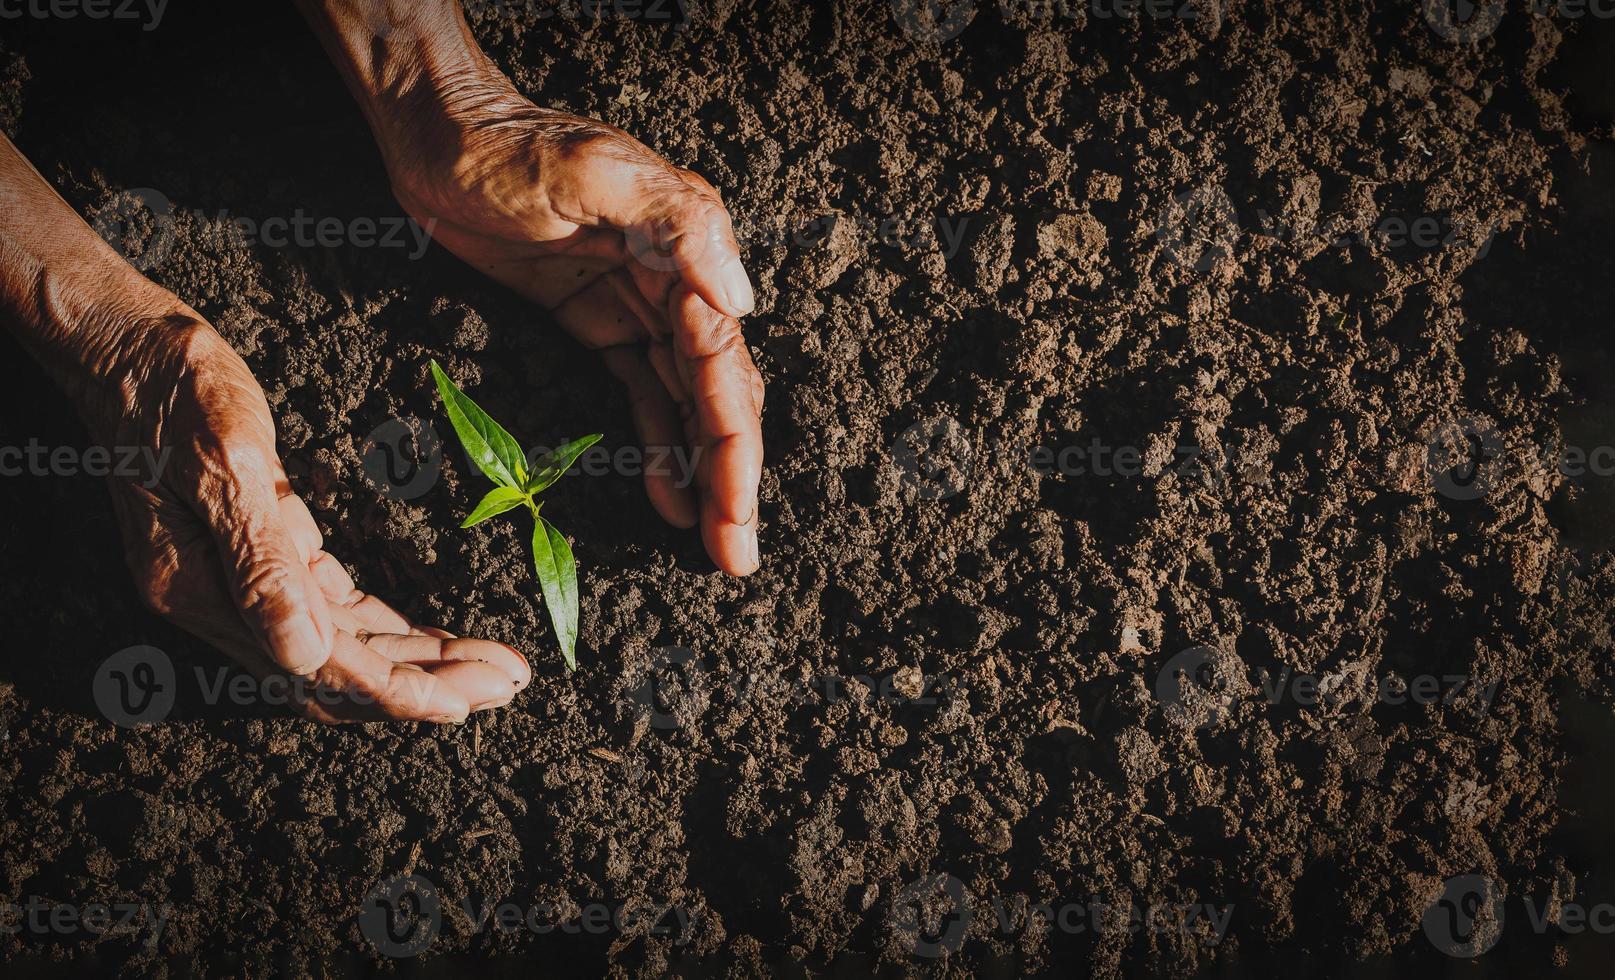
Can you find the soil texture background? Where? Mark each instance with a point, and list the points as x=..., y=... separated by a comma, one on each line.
x=1096, y=347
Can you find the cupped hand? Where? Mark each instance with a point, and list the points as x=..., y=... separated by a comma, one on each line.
x=220, y=545
x=633, y=256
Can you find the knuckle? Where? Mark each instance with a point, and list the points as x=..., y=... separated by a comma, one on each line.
x=759, y=391
x=703, y=187
x=176, y=341
x=591, y=144
x=409, y=692
x=723, y=337
x=193, y=341
x=229, y=462
x=708, y=221
x=240, y=455
x=361, y=688
x=268, y=588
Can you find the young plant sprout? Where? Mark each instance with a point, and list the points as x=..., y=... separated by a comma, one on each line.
x=501, y=460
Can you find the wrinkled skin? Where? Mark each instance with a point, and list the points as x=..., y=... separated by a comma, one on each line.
x=633, y=256
x=221, y=546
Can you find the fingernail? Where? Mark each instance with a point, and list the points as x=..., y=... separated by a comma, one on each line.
x=297, y=643
x=736, y=288
x=751, y=545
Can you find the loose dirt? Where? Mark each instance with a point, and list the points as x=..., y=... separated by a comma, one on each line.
x=1253, y=290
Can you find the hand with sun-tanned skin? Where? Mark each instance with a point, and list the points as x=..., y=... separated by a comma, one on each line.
x=633, y=256
x=217, y=541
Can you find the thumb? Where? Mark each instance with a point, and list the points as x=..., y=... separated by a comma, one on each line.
x=263, y=560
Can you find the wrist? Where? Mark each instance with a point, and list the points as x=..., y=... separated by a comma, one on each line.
x=425, y=138
x=416, y=73
x=71, y=301
x=116, y=346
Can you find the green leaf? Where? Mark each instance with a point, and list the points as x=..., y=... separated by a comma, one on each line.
x=498, y=500
x=552, y=465
x=558, y=577
x=490, y=447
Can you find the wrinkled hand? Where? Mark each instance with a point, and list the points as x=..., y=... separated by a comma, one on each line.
x=632, y=255
x=220, y=545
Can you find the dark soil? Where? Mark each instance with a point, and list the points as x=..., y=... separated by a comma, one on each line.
x=1283, y=382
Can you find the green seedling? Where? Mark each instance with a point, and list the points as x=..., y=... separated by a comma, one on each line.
x=501, y=460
